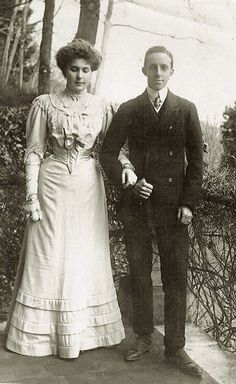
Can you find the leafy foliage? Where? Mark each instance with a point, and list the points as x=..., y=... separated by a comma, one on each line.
x=12, y=97
x=12, y=135
x=229, y=136
x=213, y=146
x=12, y=195
x=117, y=247
x=12, y=191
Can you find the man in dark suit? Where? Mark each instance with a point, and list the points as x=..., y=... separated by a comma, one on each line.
x=165, y=149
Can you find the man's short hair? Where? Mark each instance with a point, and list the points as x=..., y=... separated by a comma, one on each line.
x=158, y=48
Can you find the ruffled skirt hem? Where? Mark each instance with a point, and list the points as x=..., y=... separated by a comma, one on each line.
x=40, y=332
x=65, y=352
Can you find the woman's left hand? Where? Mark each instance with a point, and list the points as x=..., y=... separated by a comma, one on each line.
x=128, y=178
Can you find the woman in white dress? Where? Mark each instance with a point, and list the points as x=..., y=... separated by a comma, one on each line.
x=64, y=299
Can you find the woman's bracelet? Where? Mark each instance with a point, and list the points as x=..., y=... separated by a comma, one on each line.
x=31, y=199
x=128, y=166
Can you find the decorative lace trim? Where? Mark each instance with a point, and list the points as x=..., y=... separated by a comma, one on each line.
x=65, y=103
x=87, y=102
x=63, y=109
x=42, y=101
x=37, y=151
x=90, y=114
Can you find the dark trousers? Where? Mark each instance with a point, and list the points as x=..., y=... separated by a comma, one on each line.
x=173, y=245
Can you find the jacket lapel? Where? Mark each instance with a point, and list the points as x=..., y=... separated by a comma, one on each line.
x=168, y=112
x=145, y=110
x=150, y=119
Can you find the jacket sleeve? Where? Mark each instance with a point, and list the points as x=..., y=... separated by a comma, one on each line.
x=113, y=142
x=108, y=116
x=194, y=154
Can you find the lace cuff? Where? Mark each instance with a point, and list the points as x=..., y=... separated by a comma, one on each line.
x=32, y=165
x=124, y=157
x=33, y=156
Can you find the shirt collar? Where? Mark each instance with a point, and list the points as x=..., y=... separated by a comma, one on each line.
x=152, y=93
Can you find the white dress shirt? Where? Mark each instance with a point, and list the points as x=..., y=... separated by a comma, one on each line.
x=152, y=94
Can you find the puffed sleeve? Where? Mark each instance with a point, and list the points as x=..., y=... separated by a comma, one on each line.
x=36, y=142
x=110, y=111
x=36, y=128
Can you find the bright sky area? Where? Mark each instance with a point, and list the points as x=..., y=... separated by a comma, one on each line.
x=200, y=34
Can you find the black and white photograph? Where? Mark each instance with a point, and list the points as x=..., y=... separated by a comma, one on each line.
x=117, y=191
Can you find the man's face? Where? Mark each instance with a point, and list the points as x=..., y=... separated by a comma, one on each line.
x=158, y=70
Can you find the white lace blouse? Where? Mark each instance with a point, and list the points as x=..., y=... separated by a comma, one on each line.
x=69, y=122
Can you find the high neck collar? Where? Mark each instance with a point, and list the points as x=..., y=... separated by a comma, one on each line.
x=152, y=93
x=73, y=95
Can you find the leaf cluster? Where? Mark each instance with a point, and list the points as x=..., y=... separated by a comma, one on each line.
x=228, y=129
x=12, y=135
x=12, y=194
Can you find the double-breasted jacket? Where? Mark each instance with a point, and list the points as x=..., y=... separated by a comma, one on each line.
x=165, y=148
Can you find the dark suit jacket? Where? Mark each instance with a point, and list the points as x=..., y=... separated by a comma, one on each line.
x=165, y=148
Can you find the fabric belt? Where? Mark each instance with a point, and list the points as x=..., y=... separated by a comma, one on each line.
x=70, y=156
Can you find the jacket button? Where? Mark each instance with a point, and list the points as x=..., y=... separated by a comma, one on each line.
x=170, y=179
x=171, y=127
x=171, y=153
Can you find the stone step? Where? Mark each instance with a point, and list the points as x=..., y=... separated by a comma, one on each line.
x=219, y=364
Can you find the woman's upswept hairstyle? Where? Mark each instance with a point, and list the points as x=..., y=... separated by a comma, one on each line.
x=78, y=49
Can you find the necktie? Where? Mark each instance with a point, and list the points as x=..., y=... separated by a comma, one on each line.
x=157, y=101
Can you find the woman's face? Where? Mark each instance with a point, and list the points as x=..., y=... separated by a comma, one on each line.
x=78, y=75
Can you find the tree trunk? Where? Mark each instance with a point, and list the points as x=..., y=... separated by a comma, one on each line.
x=88, y=20
x=12, y=53
x=22, y=44
x=45, y=48
x=34, y=78
x=10, y=34
x=107, y=26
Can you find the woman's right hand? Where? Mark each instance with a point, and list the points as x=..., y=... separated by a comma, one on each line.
x=128, y=178
x=33, y=210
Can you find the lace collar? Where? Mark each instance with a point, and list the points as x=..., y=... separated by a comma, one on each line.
x=73, y=95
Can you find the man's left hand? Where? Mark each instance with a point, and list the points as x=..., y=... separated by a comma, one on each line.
x=185, y=215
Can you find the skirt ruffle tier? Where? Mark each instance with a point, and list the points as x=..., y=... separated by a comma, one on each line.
x=55, y=329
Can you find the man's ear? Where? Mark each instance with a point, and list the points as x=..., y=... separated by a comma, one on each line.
x=172, y=71
x=144, y=71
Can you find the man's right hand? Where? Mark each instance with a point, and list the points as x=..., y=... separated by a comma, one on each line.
x=143, y=189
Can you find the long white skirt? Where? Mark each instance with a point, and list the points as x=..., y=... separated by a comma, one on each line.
x=64, y=299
